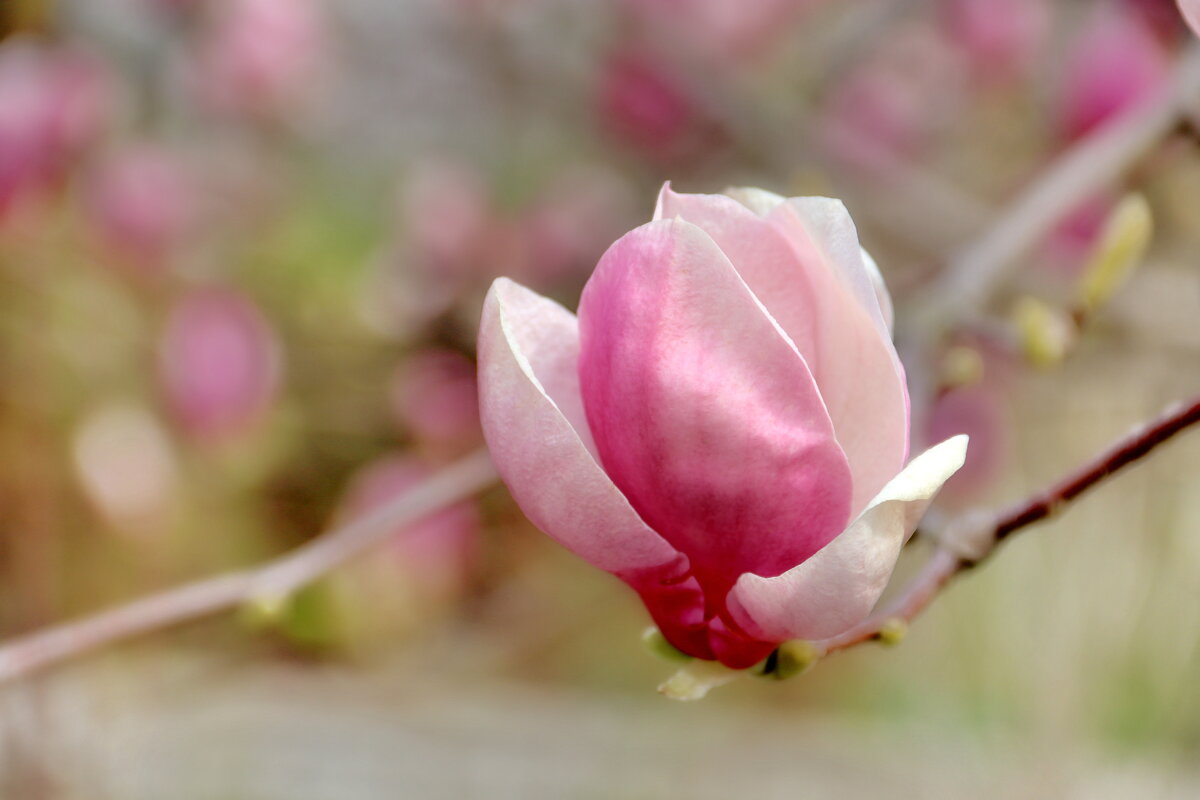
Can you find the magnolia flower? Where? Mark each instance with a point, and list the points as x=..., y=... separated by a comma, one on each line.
x=724, y=426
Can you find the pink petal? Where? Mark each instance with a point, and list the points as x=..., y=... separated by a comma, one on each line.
x=837, y=587
x=829, y=310
x=534, y=423
x=861, y=377
x=704, y=413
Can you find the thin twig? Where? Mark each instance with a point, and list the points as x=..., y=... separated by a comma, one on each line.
x=270, y=582
x=973, y=275
x=945, y=563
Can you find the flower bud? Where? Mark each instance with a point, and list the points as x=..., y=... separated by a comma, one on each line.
x=219, y=364
x=724, y=426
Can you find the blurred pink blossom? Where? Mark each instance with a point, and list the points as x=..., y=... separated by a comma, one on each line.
x=1114, y=65
x=732, y=31
x=53, y=104
x=1000, y=40
x=261, y=57
x=887, y=108
x=220, y=363
x=571, y=222
x=724, y=426
x=446, y=210
x=434, y=396
x=142, y=203
x=645, y=105
x=978, y=411
x=438, y=553
x=1163, y=17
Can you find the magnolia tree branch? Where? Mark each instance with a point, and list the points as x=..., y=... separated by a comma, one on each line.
x=983, y=533
x=270, y=583
x=1095, y=161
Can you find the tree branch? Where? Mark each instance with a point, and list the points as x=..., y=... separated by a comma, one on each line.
x=272, y=581
x=973, y=275
x=946, y=562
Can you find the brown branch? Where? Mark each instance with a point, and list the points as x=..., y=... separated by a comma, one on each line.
x=270, y=582
x=945, y=563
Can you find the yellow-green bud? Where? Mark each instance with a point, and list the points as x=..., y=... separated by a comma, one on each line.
x=1046, y=333
x=893, y=631
x=961, y=366
x=795, y=657
x=1120, y=248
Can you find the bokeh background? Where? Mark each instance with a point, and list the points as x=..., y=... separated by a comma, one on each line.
x=243, y=247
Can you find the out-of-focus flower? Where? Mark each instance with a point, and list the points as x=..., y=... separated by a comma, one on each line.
x=572, y=221
x=645, y=105
x=125, y=465
x=724, y=427
x=977, y=408
x=434, y=395
x=419, y=576
x=1113, y=67
x=53, y=104
x=437, y=554
x=1000, y=40
x=887, y=108
x=1162, y=16
x=720, y=29
x=220, y=363
x=261, y=57
x=446, y=211
x=141, y=202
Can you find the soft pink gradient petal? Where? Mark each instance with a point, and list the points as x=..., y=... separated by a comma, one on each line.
x=837, y=587
x=762, y=203
x=534, y=423
x=703, y=412
x=829, y=226
x=855, y=309
x=829, y=310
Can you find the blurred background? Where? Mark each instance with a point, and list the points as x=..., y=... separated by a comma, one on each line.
x=243, y=248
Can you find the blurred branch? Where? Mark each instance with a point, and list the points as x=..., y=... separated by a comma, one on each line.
x=975, y=536
x=269, y=583
x=1088, y=166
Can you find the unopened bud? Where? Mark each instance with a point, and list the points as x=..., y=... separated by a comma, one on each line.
x=1121, y=245
x=1046, y=333
x=265, y=610
x=893, y=631
x=961, y=366
x=795, y=657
